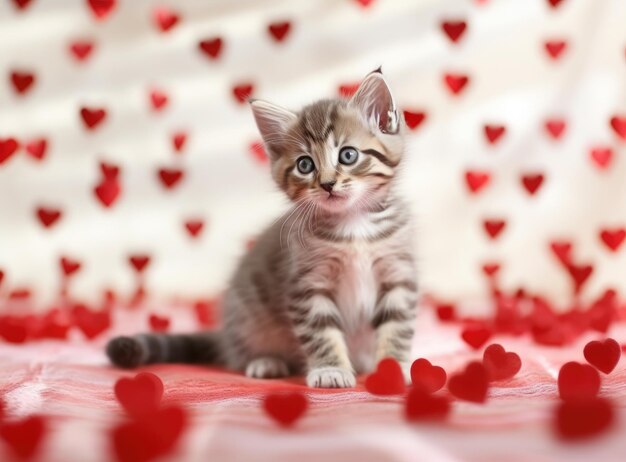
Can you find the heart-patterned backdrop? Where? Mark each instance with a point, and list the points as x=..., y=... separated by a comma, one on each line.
x=130, y=164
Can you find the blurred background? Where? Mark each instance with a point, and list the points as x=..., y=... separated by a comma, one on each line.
x=130, y=164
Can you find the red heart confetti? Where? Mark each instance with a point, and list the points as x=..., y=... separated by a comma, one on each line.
x=37, y=148
x=212, y=47
x=158, y=99
x=500, y=364
x=414, y=119
x=454, y=30
x=578, y=382
x=426, y=376
x=583, y=419
x=563, y=251
x=555, y=48
x=178, y=140
x=69, y=266
x=279, y=30
x=532, y=182
x=494, y=227
x=555, y=127
x=170, y=177
x=476, y=335
x=477, y=180
x=446, y=312
x=347, y=90
x=365, y=3
x=456, y=82
x=24, y=437
x=165, y=19
x=159, y=323
x=422, y=405
x=81, y=49
x=140, y=395
x=21, y=4
x=490, y=269
x=48, y=216
x=92, y=117
x=22, y=81
x=91, y=323
x=109, y=171
x=471, y=384
x=603, y=355
x=285, y=408
x=618, y=123
x=194, y=227
x=242, y=92
x=139, y=262
x=101, y=9
x=493, y=133
x=613, y=238
x=108, y=191
x=554, y=3
x=258, y=152
x=602, y=157
x=8, y=147
x=388, y=378
x=580, y=274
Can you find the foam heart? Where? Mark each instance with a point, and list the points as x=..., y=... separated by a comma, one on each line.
x=494, y=227
x=158, y=99
x=140, y=395
x=91, y=323
x=422, y=405
x=139, y=262
x=387, y=379
x=22, y=81
x=178, y=141
x=532, y=182
x=454, y=30
x=555, y=127
x=563, y=251
x=12, y=329
x=170, y=177
x=583, y=419
x=603, y=355
x=279, y=30
x=580, y=274
x=194, y=227
x=48, y=216
x=81, y=49
x=258, y=152
x=212, y=47
x=456, y=82
x=37, y=148
x=618, y=123
x=8, y=147
x=108, y=191
x=414, y=119
x=476, y=180
x=101, y=9
x=24, y=437
x=242, y=92
x=285, y=408
x=555, y=48
x=613, y=238
x=165, y=19
x=158, y=323
x=69, y=266
x=21, y=4
x=109, y=171
x=500, y=364
x=471, y=384
x=476, y=335
x=446, y=312
x=493, y=133
x=490, y=269
x=601, y=157
x=426, y=376
x=92, y=117
x=578, y=382
x=347, y=90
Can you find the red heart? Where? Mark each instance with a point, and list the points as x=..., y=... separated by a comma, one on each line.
x=37, y=148
x=414, y=119
x=165, y=19
x=583, y=419
x=170, y=177
x=211, y=47
x=140, y=395
x=243, y=92
x=555, y=127
x=22, y=81
x=446, y=312
x=619, y=125
x=279, y=30
x=194, y=227
x=476, y=335
x=421, y=405
x=158, y=99
x=24, y=437
x=555, y=48
x=532, y=182
x=388, y=378
x=205, y=311
x=494, y=227
x=490, y=269
x=604, y=355
x=500, y=364
x=578, y=382
x=477, y=180
x=470, y=384
x=158, y=323
x=454, y=29
x=426, y=376
x=81, y=49
x=365, y=3
x=92, y=117
x=91, y=323
x=456, y=82
x=13, y=329
x=8, y=146
x=554, y=3
x=494, y=132
x=178, y=141
x=563, y=251
x=107, y=191
x=580, y=274
x=258, y=152
x=347, y=90
x=149, y=437
x=139, y=262
x=48, y=216
x=69, y=266
x=1, y=276
x=613, y=238
x=285, y=408
x=22, y=4
x=102, y=8
x=109, y=171
x=602, y=156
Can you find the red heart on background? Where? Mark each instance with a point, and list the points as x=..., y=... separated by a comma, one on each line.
x=426, y=376
x=92, y=117
x=446, y=312
x=91, y=323
x=150, y=437
x=109, y=171
x=258, y=152
x=13, y=329
x=476, y=335
x=194, y=227
x=613, y=238
x=532, y=182
x=619, y=125
x=107, y=191
x=48, y=216
x=165, y=19
x=178, y=141
x=365, y=3
x=602, y=156
x=477, y=180
x=494, y=132
x=414, y=119
x=140, y=395
x=490, y=269
x=456, y=82
x=158, y=99
x=555, y=127
x=388, y=378
x=494, y=227
x=24, y=437
x=603, y=355
x=243, y=92
x=580, y=275
x=211, y=47
x=285, y=408
x=500, y=364
x=563, y=251
x=69, y=266
x=578, y=382
x=37, y=148
x=454, y=29
x=22, y=4
x=471, y=384
x=81, y=49
x=583, y=419
x=554, y=3
x=139, y=262
x=159, y=323
x=555, y=48
x=102, y=8
x=279, y=30
x=8, y=146
x=170, y=177
x=347, y=90
x=421, y=405
x=22, y=81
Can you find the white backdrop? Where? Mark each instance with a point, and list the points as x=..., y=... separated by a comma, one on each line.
x=512, y=82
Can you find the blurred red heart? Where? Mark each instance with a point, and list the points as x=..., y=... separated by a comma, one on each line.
x=580, y=275
x=490, y=269
x=37, y=148
x=170, y=177
x=477, y=180
x=618, y=122
x=194, y=227
x=139, y=395
x=25, y=436
x=555, y=48
x=158, y=99
x=258, y=152
x=165, y=19
x=13, y=329
x=242, y=92
x=22, y=4
x=494, y=132
x=454, y=29
x=500, y=364
x=563, y=251
x=347, y=90
x=494, y=227
x=365, y=3
x=81, y=49
x=285, y=408
x=446, y=312
x=109, y=171
x=613, y=238
x=388, y=378
x=69, y=266
x=578, y=382
x=471, y=384
x=92, y=117
x=159, y=323
x=421, y=405
x=555, y=127
x=8, y=146
x=602, y=156
x=178, y=141
x=22, y=81
x=102, y=8
x=414, y=119
x=48, y=216
x=139, y=262
x=279, y=30
x=532, y=182
x=91, y=323
x=426, y=376
x=603, y=355
x=554, y=3
x=476, y=335
x=107, y=191
x=583, y=419
x=211, y=47
x=456, y=82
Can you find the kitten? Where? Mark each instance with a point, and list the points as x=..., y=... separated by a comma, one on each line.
x=329, y=289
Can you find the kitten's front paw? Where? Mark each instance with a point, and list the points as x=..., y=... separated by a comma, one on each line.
x=331, y=377
x=267, y=368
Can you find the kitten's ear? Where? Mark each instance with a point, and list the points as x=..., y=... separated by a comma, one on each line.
x=273, y=122
x=375, y=102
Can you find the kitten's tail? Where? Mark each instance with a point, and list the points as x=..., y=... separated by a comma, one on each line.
x=203, y=347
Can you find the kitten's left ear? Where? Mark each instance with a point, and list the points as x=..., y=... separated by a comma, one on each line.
x=273, y=122
x=374, y=100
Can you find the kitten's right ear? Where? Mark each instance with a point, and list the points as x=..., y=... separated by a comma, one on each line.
x=273, y=122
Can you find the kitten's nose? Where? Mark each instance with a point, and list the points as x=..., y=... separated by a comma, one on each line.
x=328, y=186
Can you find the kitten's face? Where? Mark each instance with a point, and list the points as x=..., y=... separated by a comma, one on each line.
x=339, y=155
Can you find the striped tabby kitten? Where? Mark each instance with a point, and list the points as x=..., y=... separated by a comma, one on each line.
x=329, y=289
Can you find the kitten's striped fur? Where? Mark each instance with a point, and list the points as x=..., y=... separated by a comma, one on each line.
x=329, y=289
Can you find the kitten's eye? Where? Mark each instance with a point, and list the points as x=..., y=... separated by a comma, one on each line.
x=305, y=164
x=348, y=155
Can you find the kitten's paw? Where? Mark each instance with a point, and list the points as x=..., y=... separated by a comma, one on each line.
x=267, y=367
x=125, y=352
x=331, y=377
